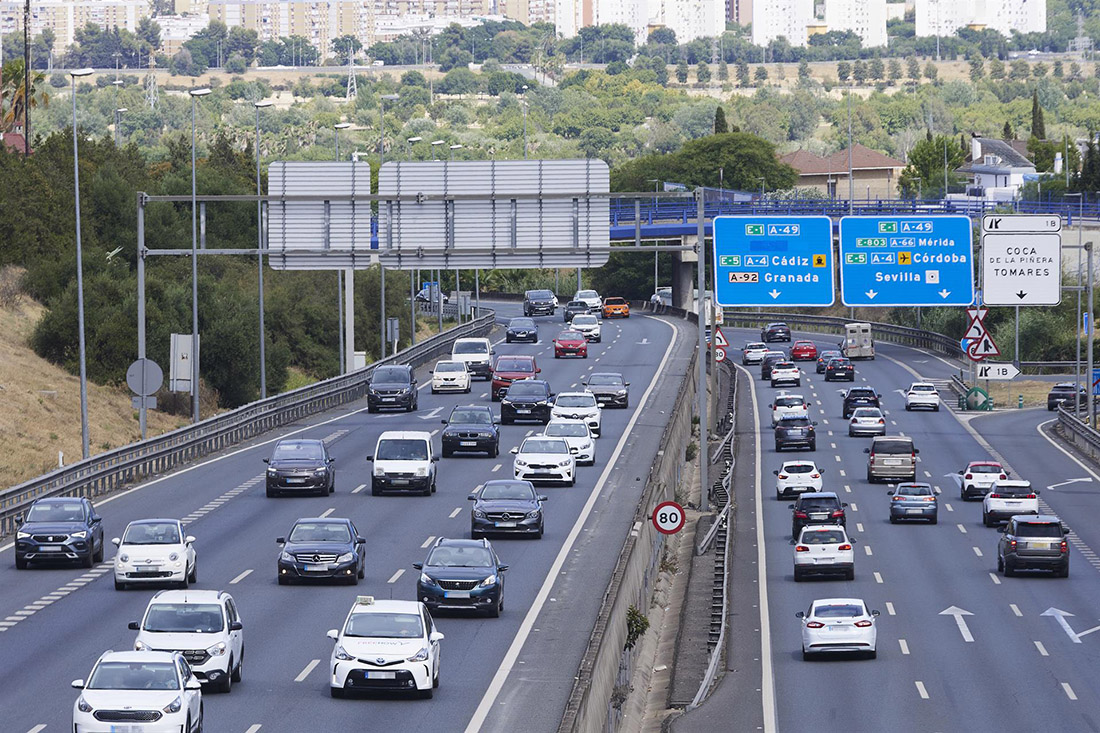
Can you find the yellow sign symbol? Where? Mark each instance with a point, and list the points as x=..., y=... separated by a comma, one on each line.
x=819, y=260
x=905, y=258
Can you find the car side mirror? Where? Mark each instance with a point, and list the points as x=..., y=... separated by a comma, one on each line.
x=574, y=450
x=776, y=473
x=866, y=450
x=333, y=634
x=496, y=421
x=116, y=541
x=280, y=540
x=916, y=451
x=133, y=626
x=193, y=684
x=814, y=422
x=418, y=565
x=538, y=370
x=236, y=626
x=443, y=422
x=844, y=503
x=1002, y=529
x=790, y=506
x=188, y=540
x=514, y=451
x=435, y=459
x=370, y=458
x=542, y=497
x=492, y=351
x=874, y=613
x=821, y=470
x=502, y=568
x=436, y=636
x=772, y=406
x=626, y=384
x=1035, y=491
x=471, y=497
x=360, y=541
x=267, y=460
x=78, y=684
x=19, y=518
x=800, y=614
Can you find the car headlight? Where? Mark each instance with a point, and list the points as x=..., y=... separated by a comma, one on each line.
x=272, y=471
x=322, y=469
x=534, y=514
x=286, y=557
x=421, y=472
x=346, y=557
x=82, y=534
x=563, y=464
x=426, y=579
x=490, y=581
x=420, y=656
x=541, y=402
x=621, y=393
x=484, y=435
x=124, y=558
x=22, y=535
x=140, y=646
x=479, y=514
x=587, y=446
x=521, y=462
x=217, y=650
x=82, y=705
x=378, y=471
x=173, y=557
x=174, y=707
x=340, y=653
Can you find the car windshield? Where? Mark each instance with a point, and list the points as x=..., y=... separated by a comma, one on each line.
x=570, y=336
x=839, y=363
x=402, y=449
x=892, y=447
x=540, y=294
x=390, y=374
x=861, y=394
x=823, y=537
x=605, y=380
x=507, y=490
x=184, y=618
x=984, y=469
x=521, y=323
x=912, y=490
x=585, y=321
x=152, y=533
x=320, y=532
x=614, y=301
x=514, y=365
x=825, y=502
x=799, y=468
x=460, y=556
x=134, y=676
x=803, y=344
x=527, y=391
x=840, y=610
x=754, y=346
x=450, y=366
x=863, y=412
x=789, y=402
x=923, y=388
x=470, y=347
x=534, y=445
x=587, y=294
x=298, y=450
x=577, y=304
x=70, y=511
x=384, y=625
x=477, y=417
x=794, y=422
x=1037, y=529
x=827, y=355
x=1010, y=490
x=575, y=400
x=566, y=430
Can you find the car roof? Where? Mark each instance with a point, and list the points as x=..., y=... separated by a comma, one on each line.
x=189, y=596
x=818, y=495
x=144, y=656
x=837, y=601
x=542, y=437
x=1037, y=518
x=405, y=435
x=984, y=463
x=1014, y=483
x=460, y=542
x=803, y=341
x=800, y=462
x=58, y=499
x=606, y=374
x=472, y=339
x=507, y=481
x=570, y=333
x=323, y=520
x=483, y=408
x=528, y=382
x=822, y=528
x=920, y=484
x=563, y=421
x=521, y=357
x=383, y=605
x=576, y=393
x=301, y=441
x=777, y=323
x=154, y=520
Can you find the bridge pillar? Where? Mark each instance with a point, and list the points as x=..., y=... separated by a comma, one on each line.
x=683, y=273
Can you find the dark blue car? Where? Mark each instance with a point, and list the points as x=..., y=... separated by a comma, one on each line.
x=61, y=529
x=461, y=575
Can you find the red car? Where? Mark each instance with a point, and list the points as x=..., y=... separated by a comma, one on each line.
x=510, y=369
x=803, y=351
x=570, y=343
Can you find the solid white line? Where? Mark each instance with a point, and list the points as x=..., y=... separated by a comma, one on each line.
x=358, y=488
x=455, y=513
x=488, y=700
x=878, y=578
x=890, y=609
x=904, y=646
x=430, y=540
x=395, y=576
x=305, y=672
x=977, y=551
x=253, y=728
x=327, y=512
x=1069, y=691
x=240, y=577
x=921, y=691
x=1042, y=649
x=1016, y=610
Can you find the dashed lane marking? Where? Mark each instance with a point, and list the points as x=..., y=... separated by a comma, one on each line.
x=904, y=646
x=241, y=577
x=1016, y=610
x=1042, y=649
x=1069, y=691
x=427, y=542
x=455, y=513
x=358, y=488
x=305, y=672
x=395, y=576
x=921, y=690
x=995, y=579
x=890, y=608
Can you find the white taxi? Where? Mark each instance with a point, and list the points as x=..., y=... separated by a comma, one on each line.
x=922, y=395
x=788, y=405
x=823, y=549
x=838, y=625
x=385, y=645
x=578, y=406
x=138, y=691
x=450, y=376
x=797, y=477
x=1008, y=498
x=155, y=551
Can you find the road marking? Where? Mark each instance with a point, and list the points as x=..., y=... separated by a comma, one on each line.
x=305, y=672
x=455, y=513
x=977, y=551
x=927, y=474
x=848, y=489
x=904, y=646
x=859, y=527
x=959, y=615
x=921, y=691
x=890, y=608
x=878, y=578
x=1042, y=649
x=240, y=577
x=842, y=473
x=253, y=728
x=995, y=579
x=37, y=728
x=837, y=458
x=892, y=422
x=358, y=488
x=867, y=549
x=961, y=528
x=1069, y=691
x=832, y=445
x=484, y=395
x=327, y=512
x=853, y=507
x=497, y=467
x=395, y=576
x=948, y=507
x=1016, y=610
x=427, y=542
x=824, y=421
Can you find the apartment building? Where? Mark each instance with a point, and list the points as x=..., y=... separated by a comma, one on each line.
x=690, y=19
x=773, y=19
x=65, y=17
x=317, y=22
x=944, y=17
x=865, y=18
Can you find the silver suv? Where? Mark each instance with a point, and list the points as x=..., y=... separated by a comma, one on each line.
x=1033, y=542
x=891, y=457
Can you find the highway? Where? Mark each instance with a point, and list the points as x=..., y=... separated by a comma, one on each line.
x=56, y=621
x=960, y=647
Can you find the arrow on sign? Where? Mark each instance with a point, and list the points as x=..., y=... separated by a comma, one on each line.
x=944, y=293
x=774, y=293
x=1071, y=481
x=991, y=223
x=958, y=613
x=1021, y=295
x=871, y=294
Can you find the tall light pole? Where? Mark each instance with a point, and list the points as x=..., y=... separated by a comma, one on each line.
x=656, y=184
x=259, y=247
x=117, y=84
x=118, y=122
x=195, y=94
x=435, y=146
x=409, y=142
x=453, y=148
x=1077, y=327
x=382, y=268
x=525, y=122
x=945, y=166
x=79, y=277
x=851, y=183
x=382, y=125
x=761, y=179
x=340, y=273
x=27, y=81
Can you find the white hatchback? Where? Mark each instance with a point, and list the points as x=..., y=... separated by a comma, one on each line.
x=788, y=405
x=450, y=376
x=155, y=551
x=753, y=353
x=139, y=691
x=838, y=625
x=578, y=406
x=539, y=458
x=922, y=395
x=822, y=549
x=1007, y=499
x=577, y=435
x=785, y=372
x=797, y=477
x=588, y=325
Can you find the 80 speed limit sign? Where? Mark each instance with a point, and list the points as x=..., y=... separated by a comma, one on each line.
x=668, y=517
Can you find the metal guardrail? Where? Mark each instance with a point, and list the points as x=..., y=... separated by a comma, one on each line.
x=719, y=645
x=1079, y=431
x=110, y=470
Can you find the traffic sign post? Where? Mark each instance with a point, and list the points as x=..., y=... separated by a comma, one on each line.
x=976, y=342
x=773, y=261
x=998, y=371
x=720, y=338
x=719, y=354
x=906, y=261
x=1022, y=260
x=668, y=517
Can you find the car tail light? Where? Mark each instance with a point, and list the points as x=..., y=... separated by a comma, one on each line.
x=872, y=456
x=844, y=547
x=970, y=476
x=1012, y=544
x=838, y=513
x=815, y=625
x=800, y=515
x=1063, y=547
x=913, y=456
x=815, y=475
x=899, y=498
x=1031, y=496
x=929, y=498
x=881, y=421
x=995, y=496
x=782, y=475
x=863, y=624
x=801, y=548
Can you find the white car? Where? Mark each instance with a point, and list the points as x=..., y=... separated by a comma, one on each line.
x=577, y=435
x=544, y=459
x=922, y=395
x=822, y=549
x=788, y=405
x=477, y=354
x=578, y=406
x=978, y=478
x=866, y=421
x=139, y=691
x=404, y=460
x=797, y=477
x=589, y=325
x=450, y=376
x=838, y=625
x=202, y=625
x=385, y=645
x=155, y=551
x=1007, y=499
x=753, y=353
x=785, y=372
x=590, y=298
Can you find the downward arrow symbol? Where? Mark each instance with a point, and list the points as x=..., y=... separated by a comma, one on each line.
x=774, y=293
x=871, y=294
x=944, y=293
x=1021, y=295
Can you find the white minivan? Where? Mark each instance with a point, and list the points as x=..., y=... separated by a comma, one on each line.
x=477, y=354
x=404, y=460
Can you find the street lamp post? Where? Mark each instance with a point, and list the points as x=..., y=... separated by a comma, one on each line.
x=453, y=148
x=1077, y=327
x=435, y=146
x=118, y=122
x=195, y=94
x=260, y=246
x=381, y=268
x=656, y=184
x=525, y=122
x=80, y=278
x=340, y=273
x=408, y=146
x=761, y=179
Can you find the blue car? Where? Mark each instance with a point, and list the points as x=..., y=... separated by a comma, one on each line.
x=61, y=529
x=462, y=575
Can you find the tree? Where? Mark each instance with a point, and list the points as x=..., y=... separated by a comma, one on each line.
x=843, y=70
x=912, y=68
x=1057, y=69
x=720, y=125
x=803, y=70
x=1019, y=70
x=1038, y=126
x=876, y=70
x=702, y=72
x=893, y=71
x=859, y=71
x=1074, y=71
x=743, y=73
x=723, y=71
x=244, y=42
x=1007, y=132
x=596, y=142
x=235, y=64
x=13, y=94
x=458, y=81
x=662, y=37
x=660, y=68
x=682, y=71
x=996, y=69
x=148, y=32
x=931, y=72
x=1039, y=70
x=924, y=173
x=977, y=68
x=346, y=45
x=760, y=76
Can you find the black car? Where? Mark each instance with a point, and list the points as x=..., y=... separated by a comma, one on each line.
x=770, y=359
x=819, y=507
x=1062, y=394
x=795, y=432
x=574, y=308
x=840, y=368
x=506, y=506
x=860, y=397
x=522, y=329
x=462, y=575
x=824, y=358
x=300, y=465
x=327, y=548
x=60, y=529
x=775, y=332
x=539, y=303
x=530, y=399
x=392, y=387
x=610, y=388
x=471, y=428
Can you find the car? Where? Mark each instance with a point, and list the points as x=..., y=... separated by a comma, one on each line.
x=385, y=645
x=424, y=295
x=913, y=500
x=610, y=388
x=788, y=405
x=539, y=303
x=471, y=428
x=840, y=369
x=891, y=458
x=662, y=296
x=775, y=332
x=832, y=625
x=506, y=506
x=539, y=458
x=477, y=353
x=1062, y=393
x=127, y=689
x=795, y=432
x=1008, y=499
x=591, y=299
x=462, y=575
x=797, y=477
x=322, y=548
x=530, y=399
x=816, y=507
x=824, y=358
x=588, y=325
x=785, y=372
x=509, y=369
x=392, y=387
x=922, y=395
x=1035, y=541
x=60, y=529
x=859, y=397
x=578, y=435
x=753, y=352
x=866, y=421
x=202, y=625
x=298, y=465
x=522, y=329
x=616, y=308
x=155, y=551
x=803, y=351
x=451, y=376
x=404, y=460
x=574, y=308
x=824, y=550
x=579, y=406
x=979, y=477
x=570, y=343
x=769, y=360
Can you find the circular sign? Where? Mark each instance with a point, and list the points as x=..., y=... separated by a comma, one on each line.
x=144, y=377
x=719, y=354
x=668, y=517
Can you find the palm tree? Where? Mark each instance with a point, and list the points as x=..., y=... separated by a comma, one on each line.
x=13, y=94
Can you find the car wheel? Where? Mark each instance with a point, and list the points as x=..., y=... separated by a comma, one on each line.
x=426, y=694
x=985, y=520
x=813, y=446
x=476, y=535
x=778, y=447
x=284, y=580
x=539, y=535
x=805, y=656
x=893, y=520
x=88, y=560
x=797, y=575
x=508, y=420
x=494, y=612
x=1000, y=564
x=433, y=484
x=496, y=450
x=467, y=389
x=362, y=571
x=98, y=557
x=270, y=493
x=188, y=726
x=434, y=391
x=872, y=654
x=447, y=452
x=1010, y=569
x=20, y=563
x=337, y=692
x=936, y=408
x=375, y=491
x=934, y=520
x=870, y=478
x=1064, y=572
x=238, y=671
x=225, y=684
x=119, y=585
x=507, y=339
x=354, y=579
x=850, y=574
x=371, y=408
x=194, y=576
x=185, y=583
x=332, y=486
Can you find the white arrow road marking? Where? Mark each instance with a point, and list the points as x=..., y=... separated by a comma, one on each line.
x=643, y=342
x=1086, y=479
x=431, y=414
x=1060, y=616
x=958, y=613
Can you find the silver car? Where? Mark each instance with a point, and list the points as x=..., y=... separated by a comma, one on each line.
x=913, y=501
x=866, y=421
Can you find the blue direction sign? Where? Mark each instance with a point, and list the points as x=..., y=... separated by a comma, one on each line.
x=773, y=260
x=906, y=260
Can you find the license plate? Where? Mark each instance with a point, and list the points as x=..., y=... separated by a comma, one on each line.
x=456, y=594
x=400, y=482
x=316, y=568
x=295, y=480
x=506, y=524
x=468, y=443
x=389, y=399
x=523, y=412
x=381, y=675
x=913, y=511
x=126, y=729
x=1040, y=545
x=51, y=548
x=817, y=516
x=892, y=461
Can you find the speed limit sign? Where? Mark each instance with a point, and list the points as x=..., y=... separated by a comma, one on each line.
x=668, y=517
x=719, y=354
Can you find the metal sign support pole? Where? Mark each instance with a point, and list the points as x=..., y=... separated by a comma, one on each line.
x=412, y=305
x=349, y=320
x=382, y=306
x=142, y=412
x=1092, y=402
x=477, y=290
x=439, y=298
x=701, y=360
x=340, y=323
x=1016, y=361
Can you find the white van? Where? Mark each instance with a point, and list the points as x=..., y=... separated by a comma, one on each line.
x=858, y=343
x=477, y=354
x=404, y=460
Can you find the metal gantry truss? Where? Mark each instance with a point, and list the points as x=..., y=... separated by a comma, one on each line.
x=151, y=92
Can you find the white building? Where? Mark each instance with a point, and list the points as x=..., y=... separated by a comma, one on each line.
x=65, y=17
x=944, y=17
x=690, y=19
x=995, y=170
x=787, y=18
x=1025, y=16
x=865, y=18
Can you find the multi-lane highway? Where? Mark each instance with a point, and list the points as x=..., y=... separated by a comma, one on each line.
x=56, y=621
x=960, y=647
